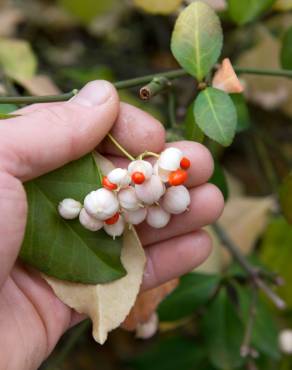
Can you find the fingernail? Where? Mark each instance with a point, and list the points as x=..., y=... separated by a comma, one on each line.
x=92, y=94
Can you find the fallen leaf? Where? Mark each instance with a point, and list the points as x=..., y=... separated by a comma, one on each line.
x=267, y=91
x=146, y=304
x=10, y=17
x=245, y=219
x=107, y=304
x=225, y=78
x=17, y=59
x=40, y=85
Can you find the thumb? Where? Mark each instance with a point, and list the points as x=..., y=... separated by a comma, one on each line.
x=55, y=134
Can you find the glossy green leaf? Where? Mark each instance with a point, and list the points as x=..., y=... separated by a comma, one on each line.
x=87, y=10
x=197, y=39
x=193, y=291
x=276, y=253
x=243, y=117
x=265, y=331
x=219, y=179
x=61, y=248
x=171, y=354
x=192, y=130
x=216, y=115
x=286, y=51
x=286, y=197
x=7, y=108
x=242, y=12
x=223, y=332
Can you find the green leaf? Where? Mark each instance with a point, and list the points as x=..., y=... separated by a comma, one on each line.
x=219, y=179
x=223, y=332
x=87, y=10
x=197, y=39
x=193, y=291
x=243, y=117
x=286, y=51
x=242, y=12
x=216, y=115
x=276, y=253
x=7, y=108
x=61, y=248
x=192, y=130
x=170, y=354
x=265, y=331
x=286, y=197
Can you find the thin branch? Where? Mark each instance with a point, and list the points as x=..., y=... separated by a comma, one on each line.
x=173, y=74
x=154, y=87
x=246, y=349
x=253, y=273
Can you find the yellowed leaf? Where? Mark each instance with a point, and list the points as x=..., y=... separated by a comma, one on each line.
x=158, y=6
x=17, y=59
x=283, y=5
x=146, y=304
x=107, y=304
x=225, y=78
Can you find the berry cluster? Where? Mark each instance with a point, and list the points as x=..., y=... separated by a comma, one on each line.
x=130, y=196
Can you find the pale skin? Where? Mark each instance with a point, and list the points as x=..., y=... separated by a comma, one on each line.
x=47, y=136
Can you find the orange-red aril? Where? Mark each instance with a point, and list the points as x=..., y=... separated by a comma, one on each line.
x=107, y=184
x=185, y=163
x=177, y=177
x=138, y=178
x=112, y=220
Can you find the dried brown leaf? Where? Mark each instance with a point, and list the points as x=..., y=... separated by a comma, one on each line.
x=226, y=79
x=146, y=304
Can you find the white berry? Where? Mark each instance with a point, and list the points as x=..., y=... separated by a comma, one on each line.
x=157, y=217
x=128, y=199
x=69, y=208
x=285, y=341
x=101, y=204
x=176, y=199
x=119, y=177
x=135, y=217
x=116, y=229
x=170, y=159
x=141, y=166
x=147, y=329
x=160, y=172
x=150, y=191
x=89, y=222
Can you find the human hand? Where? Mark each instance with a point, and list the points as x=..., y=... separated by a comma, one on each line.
x=47, y=136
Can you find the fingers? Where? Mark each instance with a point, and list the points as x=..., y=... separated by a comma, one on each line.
x=177, y=256
x=48, y=138
x=136, y=131
x=201, y=162
x=206, y=206
x=13, y=210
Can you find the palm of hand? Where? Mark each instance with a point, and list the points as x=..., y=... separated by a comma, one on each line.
x=32, y=318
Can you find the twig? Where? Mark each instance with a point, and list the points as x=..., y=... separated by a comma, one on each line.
x=253, y=273
x=246, y=349
x=154, y=87
x=138, y=82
